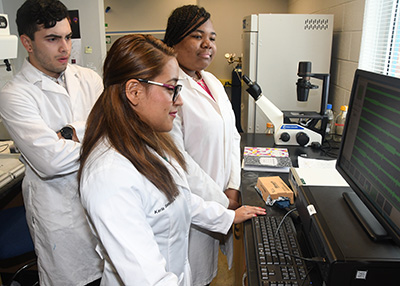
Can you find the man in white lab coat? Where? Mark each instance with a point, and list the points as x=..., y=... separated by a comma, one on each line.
x=44, y=108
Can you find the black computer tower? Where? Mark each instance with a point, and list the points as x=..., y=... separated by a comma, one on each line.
x=334, y=233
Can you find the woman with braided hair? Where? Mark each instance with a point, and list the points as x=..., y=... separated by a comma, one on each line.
x=205, y=131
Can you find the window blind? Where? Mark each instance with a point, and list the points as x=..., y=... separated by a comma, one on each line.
x=380, y=45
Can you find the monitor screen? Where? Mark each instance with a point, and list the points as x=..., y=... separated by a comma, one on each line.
x=369, y=156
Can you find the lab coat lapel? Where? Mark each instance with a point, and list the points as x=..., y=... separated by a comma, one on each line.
x=174, y=169
x=51, y=86
x=177, y=173
x=214, y=89
x=73, y=84
x=33, y=75
x=194, y=85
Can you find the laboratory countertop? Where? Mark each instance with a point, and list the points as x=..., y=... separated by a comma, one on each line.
x=251, y=197
x=12, y=171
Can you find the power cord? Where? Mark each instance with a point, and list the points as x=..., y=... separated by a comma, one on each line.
x=307, y=274
x=313, y=259
x=330, y=151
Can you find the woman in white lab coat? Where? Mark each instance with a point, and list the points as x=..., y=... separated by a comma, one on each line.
x=132, y=177
x=205, y=131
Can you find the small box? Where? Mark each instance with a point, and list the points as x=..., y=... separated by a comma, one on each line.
x=274, y=187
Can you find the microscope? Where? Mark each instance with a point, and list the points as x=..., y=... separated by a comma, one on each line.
x=290, y=127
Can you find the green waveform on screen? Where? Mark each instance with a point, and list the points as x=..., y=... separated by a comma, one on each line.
x=383, y=93
x=388, y=147
x=371, y=173
x=366, y=161
x=380, y=154
x=388, y=120
x=391, y=122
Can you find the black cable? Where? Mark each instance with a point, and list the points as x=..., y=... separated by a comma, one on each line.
x=26, y=266
x=282, y=220
x=307, y=274
x=329, y=150
x=313, y=259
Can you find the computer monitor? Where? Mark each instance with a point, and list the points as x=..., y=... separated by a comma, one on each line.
x=369, y=156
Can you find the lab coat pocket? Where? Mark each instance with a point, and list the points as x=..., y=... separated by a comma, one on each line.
x=28, y=193
x=55, y=203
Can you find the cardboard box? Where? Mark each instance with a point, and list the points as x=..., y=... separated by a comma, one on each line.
x=274, y=187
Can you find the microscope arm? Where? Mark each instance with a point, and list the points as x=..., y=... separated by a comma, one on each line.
x=274, y=114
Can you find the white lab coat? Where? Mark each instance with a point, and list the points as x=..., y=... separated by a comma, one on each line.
x=33, y=108
x=206, y=133
x=143, y=238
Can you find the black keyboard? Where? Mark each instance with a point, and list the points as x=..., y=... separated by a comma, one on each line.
x=274, y=266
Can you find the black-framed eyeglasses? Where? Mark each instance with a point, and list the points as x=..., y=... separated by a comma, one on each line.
x=175, y=88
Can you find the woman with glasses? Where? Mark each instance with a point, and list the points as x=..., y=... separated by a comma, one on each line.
x=205, y=130
x=132, y=176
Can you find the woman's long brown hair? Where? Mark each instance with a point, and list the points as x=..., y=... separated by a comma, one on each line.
x=113, y=118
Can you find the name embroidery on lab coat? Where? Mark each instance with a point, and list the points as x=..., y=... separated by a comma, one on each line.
x=162, y=209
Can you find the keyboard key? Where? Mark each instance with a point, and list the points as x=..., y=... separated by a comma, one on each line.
x=274, y=249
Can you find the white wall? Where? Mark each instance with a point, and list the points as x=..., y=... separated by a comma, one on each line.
x=348, y=23
x=139, y=16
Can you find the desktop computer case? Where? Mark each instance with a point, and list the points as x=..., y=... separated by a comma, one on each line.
x=333, y=232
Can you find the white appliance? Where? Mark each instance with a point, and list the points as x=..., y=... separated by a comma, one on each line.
x=8, y=43
x=273, y=46
x=8, y=50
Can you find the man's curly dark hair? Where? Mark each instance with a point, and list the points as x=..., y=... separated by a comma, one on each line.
x=34, y=13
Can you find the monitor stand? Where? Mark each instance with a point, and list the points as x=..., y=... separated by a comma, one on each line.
x=371, y=225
